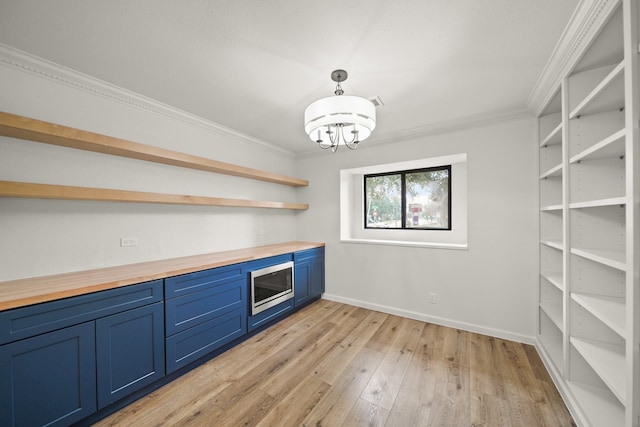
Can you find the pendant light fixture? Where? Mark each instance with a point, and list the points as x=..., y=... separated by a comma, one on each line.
x=340, y=119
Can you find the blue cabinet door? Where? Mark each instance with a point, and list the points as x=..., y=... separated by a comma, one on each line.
x=309, y=275
x=49, y=379
x=316, y=277
x=301, y=276
x=130, y=351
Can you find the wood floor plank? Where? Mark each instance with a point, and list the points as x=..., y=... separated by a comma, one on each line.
x=497, y=412
x=306, y=359
x=294, y=407
x=366, y=414
x=451, y=406
x=331, y=367
x=385, y=334
x=336, y=405
x=332, y=364
x=414, y=401
x=383, y=387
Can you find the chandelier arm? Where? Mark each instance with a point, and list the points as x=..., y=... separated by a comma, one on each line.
x=354, y=140
x=334, y=135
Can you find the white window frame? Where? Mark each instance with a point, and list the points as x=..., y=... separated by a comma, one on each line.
x=352, y=228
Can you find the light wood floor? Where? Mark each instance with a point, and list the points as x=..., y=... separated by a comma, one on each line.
x=336, y=365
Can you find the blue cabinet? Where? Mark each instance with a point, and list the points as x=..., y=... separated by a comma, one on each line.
x=63, y=360
x=130, y=352
x=49, y=379
x=204, y=311
x=309, y=275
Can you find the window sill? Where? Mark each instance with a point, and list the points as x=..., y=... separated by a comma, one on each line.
x=452, y=246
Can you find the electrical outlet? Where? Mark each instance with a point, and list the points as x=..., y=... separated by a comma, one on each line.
x=128, y=241
x=432, y=297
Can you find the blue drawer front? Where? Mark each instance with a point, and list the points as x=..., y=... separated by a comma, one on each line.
x=308, y=253
x=267, y=262
x=270, y=314
x=192, y=309
x=192, y=282
x=188, y=346
x=33, y=320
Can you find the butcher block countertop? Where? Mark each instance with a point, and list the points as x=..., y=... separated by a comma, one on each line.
x=23, y=292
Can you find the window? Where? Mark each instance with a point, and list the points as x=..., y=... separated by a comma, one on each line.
x=414, y=199
x=448, y=234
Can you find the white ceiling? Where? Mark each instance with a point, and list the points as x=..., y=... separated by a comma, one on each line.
x=255, y=65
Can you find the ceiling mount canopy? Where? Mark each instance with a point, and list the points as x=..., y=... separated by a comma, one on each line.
x=340, y=119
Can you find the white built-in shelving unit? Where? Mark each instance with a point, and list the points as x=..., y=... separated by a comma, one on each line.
x=552, y=241
x=589, y=311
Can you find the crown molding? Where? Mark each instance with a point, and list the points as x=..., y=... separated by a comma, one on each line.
x=453, y=125
x=584, y=25
x=25, y=62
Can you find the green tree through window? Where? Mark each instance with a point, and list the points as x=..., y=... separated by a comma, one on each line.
x=412, y=199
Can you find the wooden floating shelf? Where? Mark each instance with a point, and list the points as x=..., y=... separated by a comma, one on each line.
x=15, y=126
x=64, y=192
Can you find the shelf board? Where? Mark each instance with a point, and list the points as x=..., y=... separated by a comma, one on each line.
x=554, y=171
x=555, y=278
x=15, y=126
x=551, y=208
x=606, y=96
x=610, y=310
x=613, y=201
x=63, y=192
x=612, y=258
x=554, y=311
x=607, y=360
x=554, y=137
x=610, y=147
x=553, y=244
x=601, y=407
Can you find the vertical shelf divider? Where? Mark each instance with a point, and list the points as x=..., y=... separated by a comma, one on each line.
x=631, y=16
x=566, y=235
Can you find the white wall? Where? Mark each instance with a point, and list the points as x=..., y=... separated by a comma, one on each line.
x=489, y=287
x=40, y=237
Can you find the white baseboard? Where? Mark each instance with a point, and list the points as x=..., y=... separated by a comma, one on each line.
x=498, y=333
